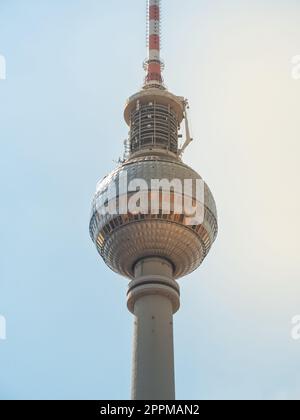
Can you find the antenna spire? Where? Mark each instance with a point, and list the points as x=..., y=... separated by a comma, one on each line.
x=153, y=65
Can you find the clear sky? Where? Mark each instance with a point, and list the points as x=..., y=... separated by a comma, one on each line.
x=70, y=68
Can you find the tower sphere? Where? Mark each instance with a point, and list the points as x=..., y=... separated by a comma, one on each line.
x=124, y=238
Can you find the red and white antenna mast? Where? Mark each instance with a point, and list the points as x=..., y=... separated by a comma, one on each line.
x=153, y=64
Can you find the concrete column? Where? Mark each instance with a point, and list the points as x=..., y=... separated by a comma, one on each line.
x=153, y=298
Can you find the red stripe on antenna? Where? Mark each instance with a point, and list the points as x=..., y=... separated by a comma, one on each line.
x=154, y=42
x=154, y=13
x=154, y=67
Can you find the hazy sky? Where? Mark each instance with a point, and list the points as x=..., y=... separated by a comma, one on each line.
x=70, y=68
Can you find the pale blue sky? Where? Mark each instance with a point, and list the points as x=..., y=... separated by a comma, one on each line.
x=70, y=68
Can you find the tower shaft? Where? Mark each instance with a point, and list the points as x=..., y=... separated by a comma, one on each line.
x=153, y=298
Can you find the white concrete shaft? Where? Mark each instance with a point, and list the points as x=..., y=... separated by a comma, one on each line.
x=153, y=301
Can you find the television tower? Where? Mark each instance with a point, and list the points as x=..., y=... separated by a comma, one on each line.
x=152, y=247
